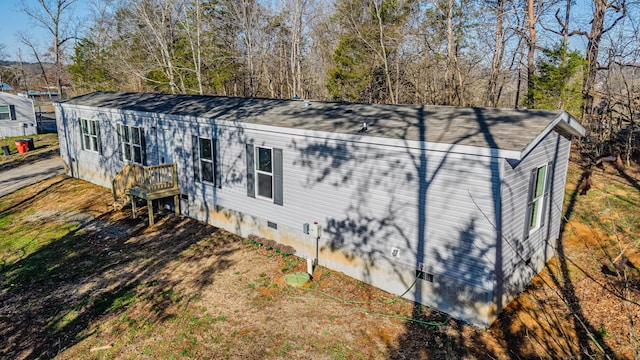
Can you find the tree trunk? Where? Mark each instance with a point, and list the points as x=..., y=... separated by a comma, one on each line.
x=521, y=46
x=531, y=65
x=498, y=53
x=384, y=56
x=450, y=80
x=593, y=48
x=565, y=31
x=296, y=47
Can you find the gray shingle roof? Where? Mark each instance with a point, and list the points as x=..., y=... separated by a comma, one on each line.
x=507, y=129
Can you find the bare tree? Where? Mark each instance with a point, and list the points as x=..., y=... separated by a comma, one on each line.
x=324, y=39
x=246, y=16
x=298, y=12
x=52, y=16
x=26, y=39
x=23, y=73
x=159, y=18
x=594, y=37
x=191, y=22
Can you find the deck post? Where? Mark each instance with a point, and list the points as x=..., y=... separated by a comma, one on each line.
x=150, y=209
x=133, y=206
x=176, y=204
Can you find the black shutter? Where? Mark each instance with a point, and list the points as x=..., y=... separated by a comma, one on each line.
x=195, y=154
x=547, y=188
x=277, y=176
x=12, y=112
x=119, y=141
x=251, y=190
x=532, y=191
x=216, y=163
x=143, y=147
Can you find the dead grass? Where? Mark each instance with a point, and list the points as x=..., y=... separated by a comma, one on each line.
x=110, y=287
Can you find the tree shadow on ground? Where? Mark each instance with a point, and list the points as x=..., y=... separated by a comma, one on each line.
x=550, y=321
x=52, y=298
x=447, y=340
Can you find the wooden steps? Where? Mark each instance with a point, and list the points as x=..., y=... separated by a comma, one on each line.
x=148, y=183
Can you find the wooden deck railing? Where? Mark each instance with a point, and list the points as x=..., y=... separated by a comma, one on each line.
x=157, y=177
x=147, y=178
x=121, y=184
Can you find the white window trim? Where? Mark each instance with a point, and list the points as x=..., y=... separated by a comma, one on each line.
x=89, y=135
x=212, y=161
x=130, y=143
x=8, y=112
x=539, y=200
x=256, y=155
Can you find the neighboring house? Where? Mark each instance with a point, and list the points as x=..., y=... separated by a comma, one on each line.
x=467, y=200
x=6, y=87
x=17, y=116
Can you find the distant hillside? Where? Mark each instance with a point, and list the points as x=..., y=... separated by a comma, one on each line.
x=27, y=75
x=24, y=63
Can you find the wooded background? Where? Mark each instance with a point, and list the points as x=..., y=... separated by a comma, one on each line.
x=582, y=56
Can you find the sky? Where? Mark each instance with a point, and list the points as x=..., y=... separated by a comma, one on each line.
x=13, y=21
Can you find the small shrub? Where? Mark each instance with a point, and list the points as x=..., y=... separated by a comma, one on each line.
x=290, y=264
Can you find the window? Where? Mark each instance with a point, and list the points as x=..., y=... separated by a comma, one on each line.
x=264, y=173
x=90, y=138
x=204, y=160
x=7, y=112
x=538, y=191
x=132, y=144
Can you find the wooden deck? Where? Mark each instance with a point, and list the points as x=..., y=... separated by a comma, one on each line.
x=148, y=183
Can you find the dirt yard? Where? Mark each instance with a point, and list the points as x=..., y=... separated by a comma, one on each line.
x=79, y=280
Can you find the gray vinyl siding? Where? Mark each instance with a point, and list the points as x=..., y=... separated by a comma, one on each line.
x=97, y=167
x=366, y=197
x=552, y=148
x=25, y=121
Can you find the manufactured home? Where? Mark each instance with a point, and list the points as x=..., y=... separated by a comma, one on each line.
x=465, y=200
x=17, y=116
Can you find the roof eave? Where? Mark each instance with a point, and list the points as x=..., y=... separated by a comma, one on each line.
x=565, y=123
x=569, y=125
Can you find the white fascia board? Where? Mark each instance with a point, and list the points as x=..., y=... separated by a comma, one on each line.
x=565, y=122
x=570, y=125
x=325, y=135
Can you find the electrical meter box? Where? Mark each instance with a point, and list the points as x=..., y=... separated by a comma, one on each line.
x=312, y=229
